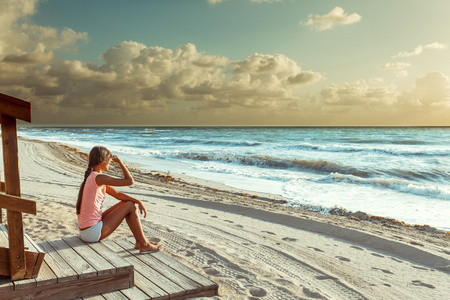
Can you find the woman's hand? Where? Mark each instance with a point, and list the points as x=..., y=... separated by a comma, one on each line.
x=115, y=159
x=142, y=209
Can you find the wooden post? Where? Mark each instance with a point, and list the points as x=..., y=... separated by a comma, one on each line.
x=12, y=187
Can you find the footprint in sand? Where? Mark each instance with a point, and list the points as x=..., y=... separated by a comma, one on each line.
x=240, y=226
x=420, y=283
x=215, y=217
x=169, y=205
x=326, y=277
x=382, y=270
x=204, y=212
x=397, y=260
x=320, y=250
x=189, y=254
x=268, y=232
x=284, y=282
x=312, y=294
x=228, y=221
x=416, y=244
x=343, y=258
x=257, y=292
x=211, y=271
x=357, y=248
x=287, y=239
x=377, y=255
x=420, y=268
x=184, y=208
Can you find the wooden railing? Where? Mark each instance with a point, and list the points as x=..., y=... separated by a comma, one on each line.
x=15, y=265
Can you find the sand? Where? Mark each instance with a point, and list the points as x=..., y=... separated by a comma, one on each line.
x=252, y=245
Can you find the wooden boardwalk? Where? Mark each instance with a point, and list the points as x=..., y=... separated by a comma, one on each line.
x=73, y=269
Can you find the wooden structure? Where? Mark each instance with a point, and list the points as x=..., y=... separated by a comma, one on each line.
x=109, y=270
x=15, y=261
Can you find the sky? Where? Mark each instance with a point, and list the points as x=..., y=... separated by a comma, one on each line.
x=228, y=62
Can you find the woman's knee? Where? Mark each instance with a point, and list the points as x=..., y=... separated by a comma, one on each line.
x=130, y=206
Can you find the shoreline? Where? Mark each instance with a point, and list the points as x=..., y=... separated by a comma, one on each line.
x=217, y=187
x=251, y=246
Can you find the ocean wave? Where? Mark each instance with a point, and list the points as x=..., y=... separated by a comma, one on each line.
x=399, y=151
x=356, y=140
x=212, y=142
x=321, y=166
x=399, y=185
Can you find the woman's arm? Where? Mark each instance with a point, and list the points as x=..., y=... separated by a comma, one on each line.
x=124, y=197
x=108, y=180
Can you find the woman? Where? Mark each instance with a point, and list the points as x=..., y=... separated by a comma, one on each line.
x=96, y=225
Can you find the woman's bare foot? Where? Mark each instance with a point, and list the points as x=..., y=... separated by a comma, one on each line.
x=137, y=245
x=150, y=248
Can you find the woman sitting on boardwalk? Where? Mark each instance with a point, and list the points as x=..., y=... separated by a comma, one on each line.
x=95, y=225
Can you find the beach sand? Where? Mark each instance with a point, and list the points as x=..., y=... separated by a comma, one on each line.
x=252, y=245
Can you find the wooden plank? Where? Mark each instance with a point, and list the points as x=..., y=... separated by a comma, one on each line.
x=83, y=268
x=30, y=244
x=98, y=262
x=112, y=257
x=117, y=295
x=189, y=286
x=12, y=181
x=135, y=293
x=59, y=266
x=18, y=204
x=6, y=284
x=94, y=297
x=174, y=264
x=148, y=287
x=4, y=253
x=46, y=276
x=34, y=257
x=73, y=289
x=151, y=273
x=14, y=107
x=181, y=268
x=2, y=186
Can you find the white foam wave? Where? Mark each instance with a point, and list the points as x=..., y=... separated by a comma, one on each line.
x=405, y=186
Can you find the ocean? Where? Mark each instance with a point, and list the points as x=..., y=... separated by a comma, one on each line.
x=401, y=173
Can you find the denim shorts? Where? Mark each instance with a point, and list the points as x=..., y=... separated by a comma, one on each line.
x=92, y=234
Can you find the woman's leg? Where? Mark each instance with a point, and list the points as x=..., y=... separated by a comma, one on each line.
x=115, y=215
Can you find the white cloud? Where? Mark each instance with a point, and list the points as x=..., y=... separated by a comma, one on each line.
x=433, y=89
x=419, y=49
x=395, y=66
x=359, y=93
x=430, y=92
x=337, y=16
x=402, y=73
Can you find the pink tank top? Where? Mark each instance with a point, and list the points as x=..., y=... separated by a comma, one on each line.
x=92, y=202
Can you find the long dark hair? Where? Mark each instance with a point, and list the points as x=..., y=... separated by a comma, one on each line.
x=97, y=155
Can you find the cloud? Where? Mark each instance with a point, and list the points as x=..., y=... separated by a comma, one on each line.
x=336, y=16
x=134, y=76
x=395, y=66
x=37, y=56
x=433, y=90
x=359, y=93
x=419, y=49
x=430, y=91
x=402, y=73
